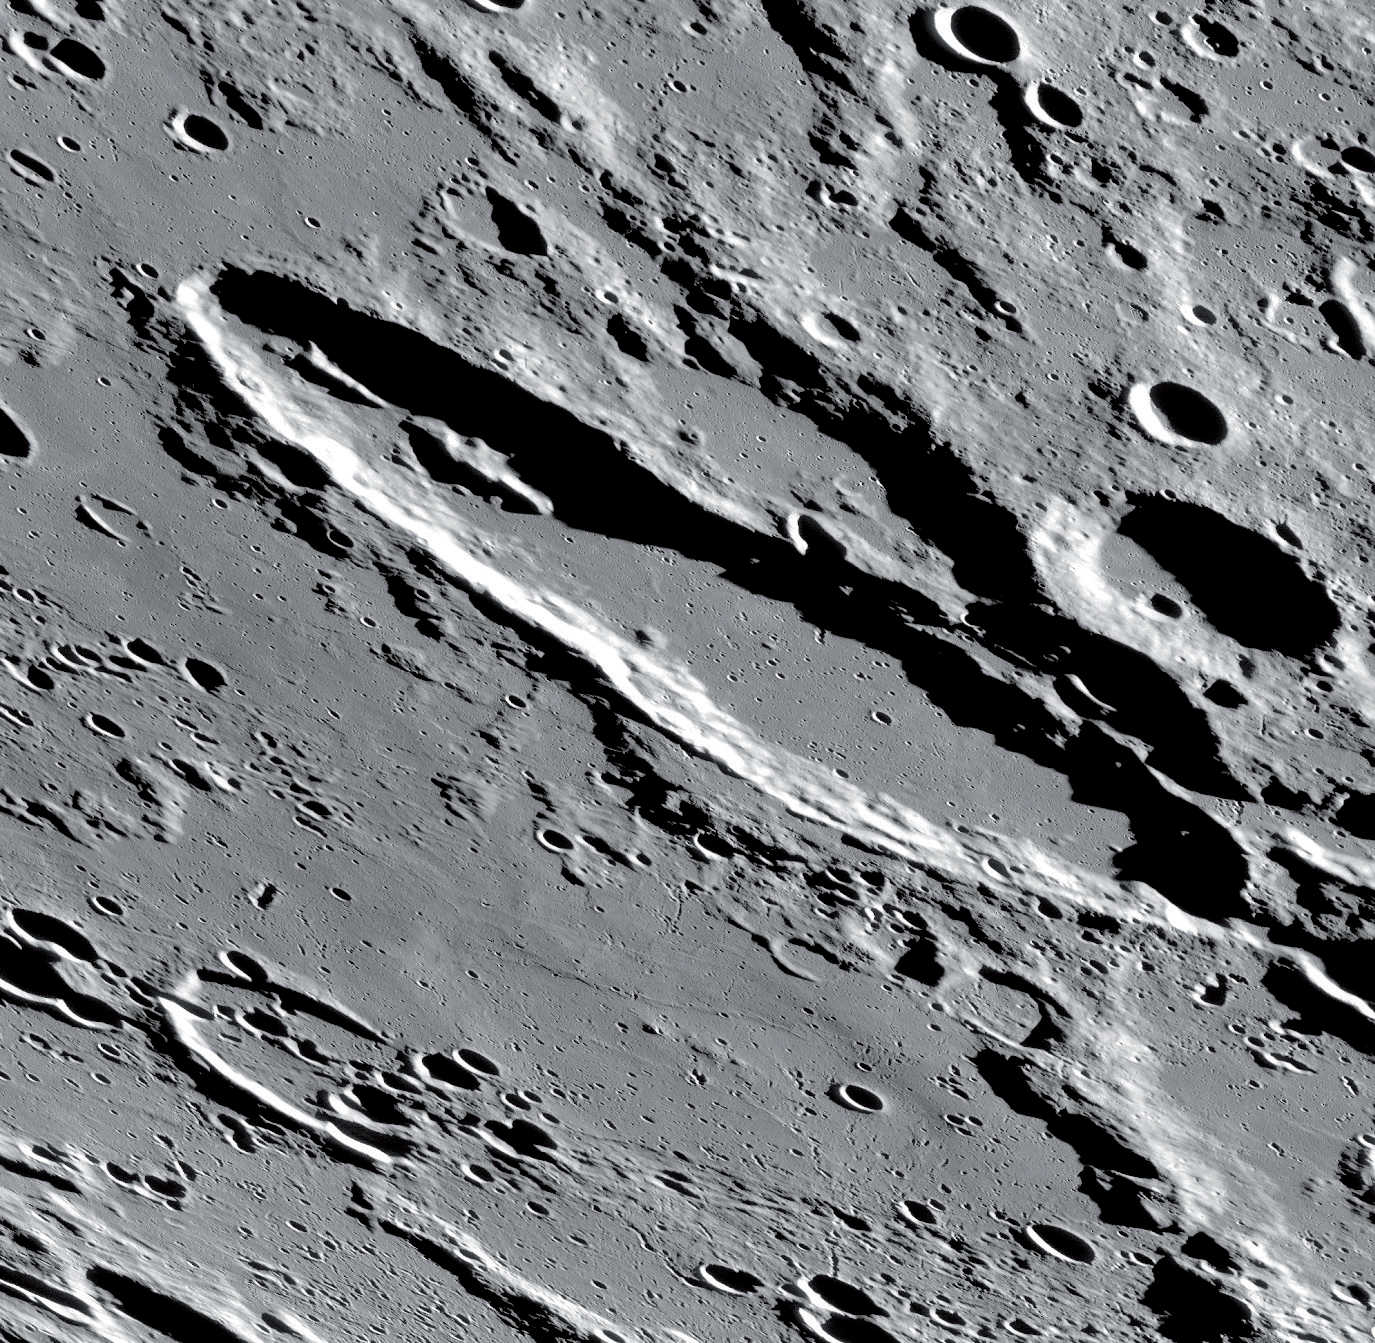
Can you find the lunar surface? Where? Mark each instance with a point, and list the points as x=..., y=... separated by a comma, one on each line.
x=687, y=671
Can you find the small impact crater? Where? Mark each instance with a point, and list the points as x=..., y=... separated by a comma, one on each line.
x=76, y=60
x=1060, y=1243
x=30, y=167
x=733, y=1281
x=15, y=441
x=196, y=132
x=837, y=1294
x=1053, y=107
x=516, y=229
x=203, y=674
x=853, y=1096
x=977, y=34
x=1177, y=413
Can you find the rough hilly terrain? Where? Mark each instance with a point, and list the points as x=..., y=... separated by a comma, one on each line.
x=686, y=672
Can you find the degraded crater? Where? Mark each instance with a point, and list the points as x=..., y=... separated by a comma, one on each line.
x=1245, y=584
